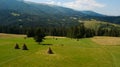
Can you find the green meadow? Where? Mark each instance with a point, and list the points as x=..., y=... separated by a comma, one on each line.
x=88, y=52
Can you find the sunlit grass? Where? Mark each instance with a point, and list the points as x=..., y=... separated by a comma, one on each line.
x=67, y=53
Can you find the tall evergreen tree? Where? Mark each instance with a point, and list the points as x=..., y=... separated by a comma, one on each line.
x=39, y=35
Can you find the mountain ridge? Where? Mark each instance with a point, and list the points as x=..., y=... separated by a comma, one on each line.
x=32, y=14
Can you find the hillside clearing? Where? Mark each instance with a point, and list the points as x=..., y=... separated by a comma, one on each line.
x=3, y=35
x=54, y=37
x=67, y=53
x=107, y=40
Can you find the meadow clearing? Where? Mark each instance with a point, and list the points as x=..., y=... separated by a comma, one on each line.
x=87, y=52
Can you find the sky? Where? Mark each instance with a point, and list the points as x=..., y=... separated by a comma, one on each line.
x=107, y=7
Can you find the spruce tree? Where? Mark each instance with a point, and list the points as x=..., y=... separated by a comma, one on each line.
x=39, y=35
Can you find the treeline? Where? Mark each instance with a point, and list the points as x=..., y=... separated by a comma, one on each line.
x=79, y=31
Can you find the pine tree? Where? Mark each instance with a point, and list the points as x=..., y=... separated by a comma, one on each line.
x=30, y=33
x=39, y=35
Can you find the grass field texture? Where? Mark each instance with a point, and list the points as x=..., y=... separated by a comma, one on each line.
x=88, y=52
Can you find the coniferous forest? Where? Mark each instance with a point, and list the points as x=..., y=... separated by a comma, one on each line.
x=78, y=31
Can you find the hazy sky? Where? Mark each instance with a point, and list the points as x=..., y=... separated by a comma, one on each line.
x=108, y=7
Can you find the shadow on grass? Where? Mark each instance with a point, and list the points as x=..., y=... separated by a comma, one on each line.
x=46, y=44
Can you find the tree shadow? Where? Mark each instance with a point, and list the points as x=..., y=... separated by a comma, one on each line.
x=47, y=44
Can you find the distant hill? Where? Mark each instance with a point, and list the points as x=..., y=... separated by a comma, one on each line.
x=91, y=13
x=28, y=14
x=95, y=25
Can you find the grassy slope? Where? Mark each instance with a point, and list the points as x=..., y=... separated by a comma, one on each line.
x=82, y=53
x=112, y=45
x=93, y=24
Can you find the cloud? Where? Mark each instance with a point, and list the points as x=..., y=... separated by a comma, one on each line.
x=78, y=4
x=83, y=4
x=53, y=2
x=75, y=4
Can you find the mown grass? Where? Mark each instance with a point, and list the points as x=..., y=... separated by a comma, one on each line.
x=67, y=53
